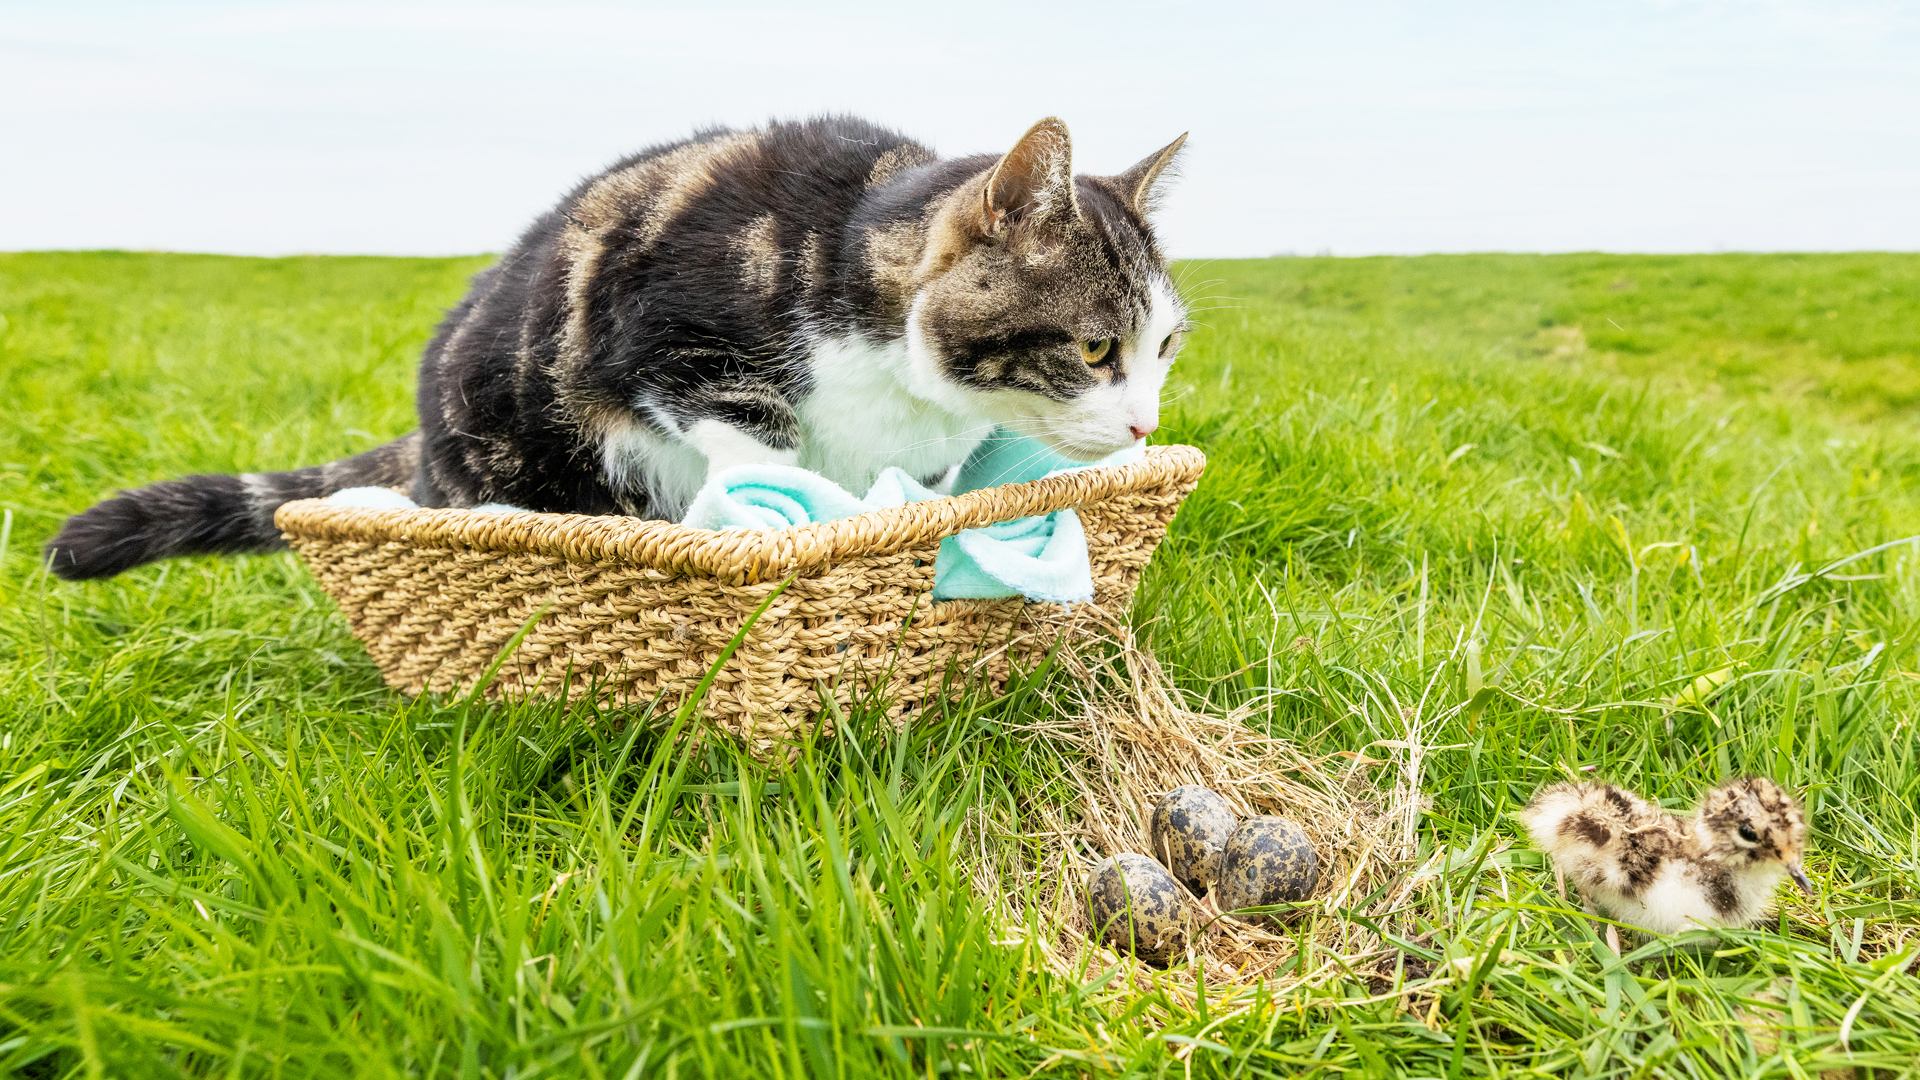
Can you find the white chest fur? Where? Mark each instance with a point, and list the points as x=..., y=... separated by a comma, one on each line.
x=859, y=419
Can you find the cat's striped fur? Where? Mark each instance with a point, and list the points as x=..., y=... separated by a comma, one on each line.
x=825, y=293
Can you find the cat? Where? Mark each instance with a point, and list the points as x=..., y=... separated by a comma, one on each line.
x=822, y=293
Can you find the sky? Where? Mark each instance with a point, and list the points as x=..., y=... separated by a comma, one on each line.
x=427, y=128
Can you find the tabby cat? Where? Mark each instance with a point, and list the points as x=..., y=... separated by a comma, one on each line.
x=823, y=293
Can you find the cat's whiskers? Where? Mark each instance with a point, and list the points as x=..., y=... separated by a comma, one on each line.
x=1029, y=459
x=1187, y=288
x=1047, y=425
x=983, y=430
x=1218, y=307
x=1043, y=427
x=1188, y=269
x=1208, y=298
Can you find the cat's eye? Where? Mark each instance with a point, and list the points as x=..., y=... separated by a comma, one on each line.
x=1747, y=834
x=1093, y=352
x=1168, y=344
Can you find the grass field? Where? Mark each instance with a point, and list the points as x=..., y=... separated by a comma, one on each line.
x=1524, y=503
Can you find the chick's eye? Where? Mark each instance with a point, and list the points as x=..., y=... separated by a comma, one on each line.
x=1094, y=352
x=1747, y=834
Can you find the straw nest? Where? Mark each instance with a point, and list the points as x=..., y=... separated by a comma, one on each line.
x=1130, y=739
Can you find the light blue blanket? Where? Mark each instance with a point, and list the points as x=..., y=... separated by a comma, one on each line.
x=1041, y=558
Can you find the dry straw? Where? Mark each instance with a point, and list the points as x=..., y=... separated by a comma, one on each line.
x=632, y=611
x=1131, y=740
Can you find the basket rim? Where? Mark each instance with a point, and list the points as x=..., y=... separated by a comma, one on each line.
x=741, y=555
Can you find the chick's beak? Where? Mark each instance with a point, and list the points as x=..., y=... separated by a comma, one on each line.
x=1800, y=878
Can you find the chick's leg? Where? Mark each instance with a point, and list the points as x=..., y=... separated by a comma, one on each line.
x=1613, y=932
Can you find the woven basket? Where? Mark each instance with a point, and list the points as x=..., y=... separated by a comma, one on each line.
x=632, y=611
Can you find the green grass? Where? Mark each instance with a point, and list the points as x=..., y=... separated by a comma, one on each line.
x=1558, y=491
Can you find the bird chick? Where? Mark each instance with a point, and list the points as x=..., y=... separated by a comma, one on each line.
x=1639, y=864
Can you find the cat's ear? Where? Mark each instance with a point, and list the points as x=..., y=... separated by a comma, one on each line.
x=1033, y=182
x=1140, y=185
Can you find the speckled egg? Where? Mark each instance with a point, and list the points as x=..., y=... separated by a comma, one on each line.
x=1188, y=833
x=1268, y=861
x=1137, y=907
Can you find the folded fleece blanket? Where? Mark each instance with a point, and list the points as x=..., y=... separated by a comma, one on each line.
x=1041, y=558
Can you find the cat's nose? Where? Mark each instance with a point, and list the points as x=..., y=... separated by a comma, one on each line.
x=1142, y=432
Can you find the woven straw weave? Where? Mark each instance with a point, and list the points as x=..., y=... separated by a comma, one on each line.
x=632, y=610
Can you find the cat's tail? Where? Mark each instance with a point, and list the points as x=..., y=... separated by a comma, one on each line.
x=212, y=515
